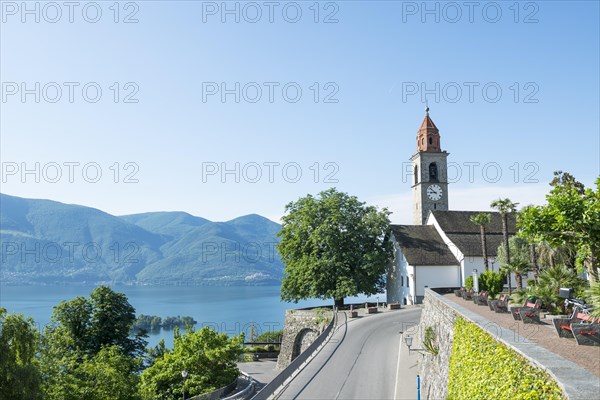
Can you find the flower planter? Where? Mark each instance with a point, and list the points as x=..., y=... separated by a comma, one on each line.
x=372, y=310
x=353, y=314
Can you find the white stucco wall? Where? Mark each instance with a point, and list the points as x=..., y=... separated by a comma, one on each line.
x=409, y=283
x=400, y=288
x=434, y=276
x=470, y=263
x=467, y=263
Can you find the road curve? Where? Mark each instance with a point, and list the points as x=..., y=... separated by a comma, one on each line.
x=361, y=361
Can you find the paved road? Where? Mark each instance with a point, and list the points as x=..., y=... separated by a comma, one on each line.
x=363, y=360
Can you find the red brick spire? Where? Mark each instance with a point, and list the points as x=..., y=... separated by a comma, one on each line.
x=428, y=135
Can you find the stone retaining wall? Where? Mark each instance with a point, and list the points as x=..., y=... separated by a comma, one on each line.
x=434, y=370
x=301, y=329
x=440, y=314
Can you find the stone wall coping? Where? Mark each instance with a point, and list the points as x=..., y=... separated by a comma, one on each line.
x=576, y=382
x=310, y=312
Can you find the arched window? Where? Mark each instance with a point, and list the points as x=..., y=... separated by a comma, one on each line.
x=416, y=174
x=430, y=141
x=433, y=172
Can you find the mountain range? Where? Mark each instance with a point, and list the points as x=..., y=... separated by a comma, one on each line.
x=47, y=242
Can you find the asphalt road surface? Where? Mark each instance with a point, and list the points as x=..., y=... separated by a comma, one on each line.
x=365, y=359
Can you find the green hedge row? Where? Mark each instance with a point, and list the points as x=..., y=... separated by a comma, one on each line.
x=484, y=368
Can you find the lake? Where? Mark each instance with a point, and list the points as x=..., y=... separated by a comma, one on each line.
x=228, y=309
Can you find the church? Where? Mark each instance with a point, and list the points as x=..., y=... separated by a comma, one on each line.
x=442, y=247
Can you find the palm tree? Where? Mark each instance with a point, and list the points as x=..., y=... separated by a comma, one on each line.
x=520, y=262
x=550, y=256
x=552, y=279
x=533, y=260
x=593, y=294
x=482, y=219
x=519, y=268
x=505, y=207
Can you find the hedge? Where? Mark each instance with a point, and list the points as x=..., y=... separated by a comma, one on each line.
x=483, y=368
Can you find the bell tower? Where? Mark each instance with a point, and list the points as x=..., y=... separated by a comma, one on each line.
x=430, y=172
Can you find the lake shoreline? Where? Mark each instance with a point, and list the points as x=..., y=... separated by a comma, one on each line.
x=227, y=309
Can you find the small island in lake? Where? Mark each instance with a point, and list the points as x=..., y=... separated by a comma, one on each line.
x=154, y=323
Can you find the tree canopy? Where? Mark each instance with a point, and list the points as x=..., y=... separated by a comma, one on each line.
x=109, y=374
x=570, y=217
x=333, y=246
x=89, y=351
x=105, y=319
x=19, y=369
x=209, y=358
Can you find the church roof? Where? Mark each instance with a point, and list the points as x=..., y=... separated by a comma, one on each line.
x=428, y=125
x=465, y=234
x=422, y=245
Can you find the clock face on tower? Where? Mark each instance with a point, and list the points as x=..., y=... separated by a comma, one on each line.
x=434, y=192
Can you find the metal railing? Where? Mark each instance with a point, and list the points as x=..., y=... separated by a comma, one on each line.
x=217, y=394
x=245, y=393
x=279, y=380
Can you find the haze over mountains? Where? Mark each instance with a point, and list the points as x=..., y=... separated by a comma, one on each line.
x=47, y=242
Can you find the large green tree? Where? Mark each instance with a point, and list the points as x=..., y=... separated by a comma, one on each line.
x=482, y=219
x=570, y=218
x=19, y=370
x=105, y=319
x=87, y=351
x=333, y=246
x=209, y=358
x=107, y=375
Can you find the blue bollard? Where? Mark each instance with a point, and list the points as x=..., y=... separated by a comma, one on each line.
x=418, y=387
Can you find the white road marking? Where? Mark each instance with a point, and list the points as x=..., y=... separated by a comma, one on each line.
x=398, y=367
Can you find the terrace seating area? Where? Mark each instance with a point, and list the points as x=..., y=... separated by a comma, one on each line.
x=577, y=340
x=499, y=305
x=529, y=313
x=581, y=326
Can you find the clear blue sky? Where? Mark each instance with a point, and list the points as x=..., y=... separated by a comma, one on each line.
x=370, y=61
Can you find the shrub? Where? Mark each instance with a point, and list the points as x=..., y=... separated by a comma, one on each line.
x=490, y=282
x=469, y=283
x=270, y=336
x=483, y=368
x=530, y=282
x=522, y=295
x=551, y=279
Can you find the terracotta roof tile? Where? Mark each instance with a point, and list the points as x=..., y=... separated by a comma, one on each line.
x=427, y=125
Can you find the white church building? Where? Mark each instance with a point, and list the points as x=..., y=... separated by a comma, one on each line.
x=443, y=247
